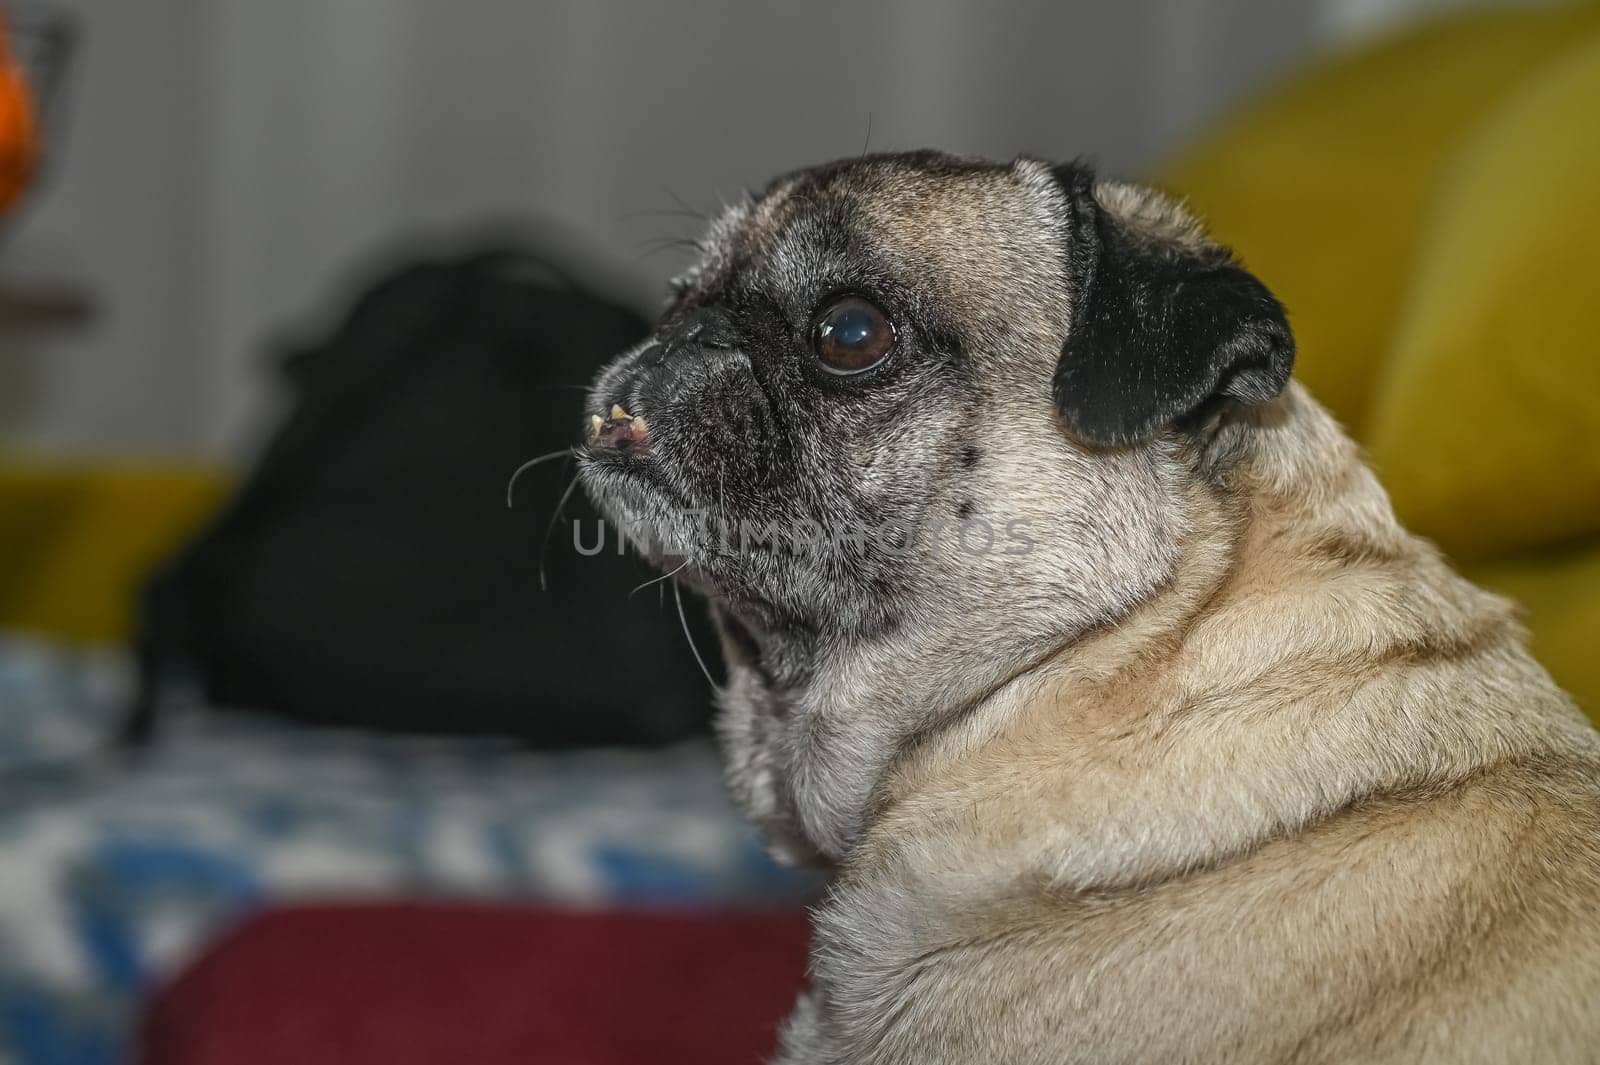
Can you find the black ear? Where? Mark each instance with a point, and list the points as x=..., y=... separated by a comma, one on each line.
x=1161, y=329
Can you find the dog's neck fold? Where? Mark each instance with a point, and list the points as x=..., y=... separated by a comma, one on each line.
x=1198, y=724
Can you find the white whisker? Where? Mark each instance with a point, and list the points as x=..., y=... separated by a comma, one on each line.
x=544, y=547
x=677, y=593
x=663, y=577
x=511, y=485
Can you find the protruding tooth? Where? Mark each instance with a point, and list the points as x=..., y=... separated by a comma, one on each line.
x=618, y=412
x=639, y=425
x=594, y=424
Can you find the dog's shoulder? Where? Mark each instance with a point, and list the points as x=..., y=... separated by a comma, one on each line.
x=1400, y=928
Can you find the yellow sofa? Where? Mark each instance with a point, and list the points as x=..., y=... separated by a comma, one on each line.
x=77, y=540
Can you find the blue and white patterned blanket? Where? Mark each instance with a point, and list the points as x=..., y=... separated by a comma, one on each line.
x=115, y=869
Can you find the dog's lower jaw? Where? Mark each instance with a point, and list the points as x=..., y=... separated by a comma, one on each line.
x=853, y=705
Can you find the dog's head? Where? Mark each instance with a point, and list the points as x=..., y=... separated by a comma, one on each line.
x=910, y=423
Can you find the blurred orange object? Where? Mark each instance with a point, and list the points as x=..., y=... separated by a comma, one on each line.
x=19, y=146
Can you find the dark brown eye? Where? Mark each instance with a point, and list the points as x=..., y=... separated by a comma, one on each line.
x=852, y=335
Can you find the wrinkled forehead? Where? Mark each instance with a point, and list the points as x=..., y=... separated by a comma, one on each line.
x=975, y=236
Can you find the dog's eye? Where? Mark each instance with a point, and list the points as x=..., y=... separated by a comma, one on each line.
x=852, y=335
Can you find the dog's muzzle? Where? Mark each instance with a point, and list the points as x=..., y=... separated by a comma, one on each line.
x=650, y=379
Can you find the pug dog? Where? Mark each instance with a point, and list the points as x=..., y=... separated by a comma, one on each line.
x=1197, y=755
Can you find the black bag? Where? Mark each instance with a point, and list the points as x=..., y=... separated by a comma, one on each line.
x=369, y=572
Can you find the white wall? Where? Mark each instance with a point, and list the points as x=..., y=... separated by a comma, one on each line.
x=233, y=163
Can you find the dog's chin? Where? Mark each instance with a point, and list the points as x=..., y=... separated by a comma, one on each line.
x=640, y=504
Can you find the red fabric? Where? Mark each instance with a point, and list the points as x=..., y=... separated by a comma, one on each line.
x=482, y=985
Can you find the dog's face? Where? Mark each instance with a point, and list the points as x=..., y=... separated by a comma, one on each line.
x=910, y=423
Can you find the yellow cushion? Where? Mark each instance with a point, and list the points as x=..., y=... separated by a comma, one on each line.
x=1486, y=422
x=77, y=543
x=1323, y=185
x=1560, y=594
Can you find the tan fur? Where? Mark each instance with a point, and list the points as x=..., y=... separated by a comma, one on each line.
x=1311, y=803
x=1151, y=212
